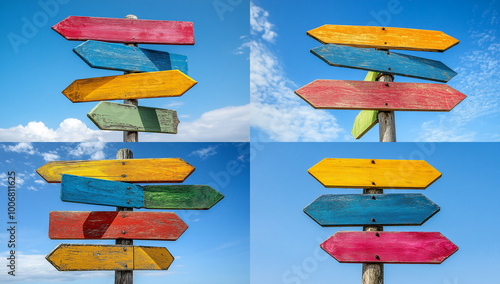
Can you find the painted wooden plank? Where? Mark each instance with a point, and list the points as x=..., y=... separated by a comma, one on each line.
x=172, y=83
x=126, y=30
x=374, y=173
x=366, y=119
x=127, y=117
x=389, y=247
x=166, y=226
x=111, y=193
x=135, y=170
x=114, y=56
x=74, y=257
x=180, y=197
x=384, y=37
x=338, y=94
x=371, y=209
x=384, y=62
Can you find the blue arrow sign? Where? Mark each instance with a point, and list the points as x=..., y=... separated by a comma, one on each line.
x=384, y=62
x=114, y=56
x=371, y=209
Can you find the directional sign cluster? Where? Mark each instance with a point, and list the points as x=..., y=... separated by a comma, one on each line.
x=154, y=73
x=367, y=48
x=378, y=210
x=110, y=183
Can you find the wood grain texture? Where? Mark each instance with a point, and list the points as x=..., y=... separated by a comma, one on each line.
x=166, y=226
x=383, y=37
x=383, y=96
x=172, y=83
x=74, y=257
x=102, y=192
x=384, y=62
x=371, y=209
x=386, y=119
x=136, y=170
x=180, y=197
x=389, y=247
x=374, y=173
x=127, y=117
x=365, y=119
x=126, y=30
x=113, y=56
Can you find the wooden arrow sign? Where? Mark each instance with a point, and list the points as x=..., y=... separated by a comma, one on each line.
x=171, y=83
x=126, y=30
x=369, y=210
x=366, y=119
x=338, y=94
x=164, y=226
x=133, y=170
x=384, y=62
x=366, y=173
x=110, y=193
x=114, y=56
x=384, y=38
x=73, y=257
x=389, y=247
x=126, y=117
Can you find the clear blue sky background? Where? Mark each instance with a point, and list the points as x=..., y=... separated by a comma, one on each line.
x=214, y=249
x=45, y=65
x=279, y=33
x=283, y=236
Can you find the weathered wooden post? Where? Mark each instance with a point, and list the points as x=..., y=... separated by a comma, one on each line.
x=386, y=119
x=130, y=136
x=373, y=273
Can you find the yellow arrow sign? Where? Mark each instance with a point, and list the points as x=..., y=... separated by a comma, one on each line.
x=171, y=83
x=368, y=173
x=133, y=170
x=383, y=38
x=74, y=257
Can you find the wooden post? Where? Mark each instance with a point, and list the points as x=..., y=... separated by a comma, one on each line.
x=373, y=273
x=124, y=276
x=386, y=121
x=130, y=136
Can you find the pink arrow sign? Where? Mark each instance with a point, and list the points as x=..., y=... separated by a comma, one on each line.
x=125, y=30
x=389, y=247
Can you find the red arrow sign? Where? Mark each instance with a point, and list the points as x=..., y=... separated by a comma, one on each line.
x=115, y=225
x=389, y=247
x=336, y=94
x=125, y=30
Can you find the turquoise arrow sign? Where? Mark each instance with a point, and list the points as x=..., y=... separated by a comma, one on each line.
x=116, y=56
x=371, y=209
x=384, y=62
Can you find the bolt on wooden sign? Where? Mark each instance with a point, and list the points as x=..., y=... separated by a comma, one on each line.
x=367, y=48
x=110, y=183
x=156, y=73
x=378, y=210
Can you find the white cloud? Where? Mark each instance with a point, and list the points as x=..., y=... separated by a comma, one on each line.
x=32, y=188
x=175, y=104
x=40, y=182
x=205, y=152
x=20, y=148
x=93, y=149
x=276, y=109
x=50, y=156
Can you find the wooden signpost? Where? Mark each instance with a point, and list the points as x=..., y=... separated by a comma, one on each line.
x=373, y=210
x=114, y=56
x=113, y=116
x=73, y=257
x=367, y=48
x=343, y=94
x=111, y=193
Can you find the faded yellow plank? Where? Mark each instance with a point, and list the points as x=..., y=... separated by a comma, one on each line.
x=152, y=258
x=171, y=83
x=74, y=257
x=374, y=173
x=383, y=37
x=132, y=170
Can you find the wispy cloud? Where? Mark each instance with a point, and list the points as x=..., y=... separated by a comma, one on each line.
x=26, y=148
x=205, y=152
x=94, y=150
x=276, y=110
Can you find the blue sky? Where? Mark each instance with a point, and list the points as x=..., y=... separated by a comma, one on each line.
x=281, y=63
x=214, y=249
x=36, y=71
x=285, y=240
